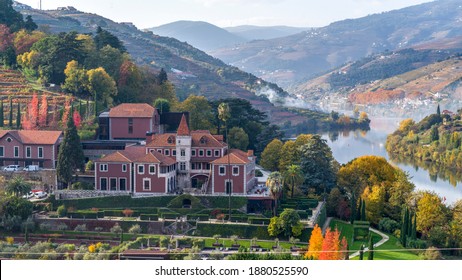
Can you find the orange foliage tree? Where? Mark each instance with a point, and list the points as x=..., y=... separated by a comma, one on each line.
x=315, y=244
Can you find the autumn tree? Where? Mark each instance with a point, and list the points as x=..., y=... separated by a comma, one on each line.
x=315, y=244
x=200, y=112
x=271, y=155
x=102, y=87
x=43, y=113
x=329, y=246
x=288, y=155
x=76, y=80
x=430, y=212
x=23, y=40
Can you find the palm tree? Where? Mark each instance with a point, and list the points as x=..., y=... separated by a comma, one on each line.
x=18, y=186
x=224, y=113
x=293, y=176
x=274, y=184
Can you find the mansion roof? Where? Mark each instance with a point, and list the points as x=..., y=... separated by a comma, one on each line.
x=33, y=137
x=132, y=110
x=138, y=154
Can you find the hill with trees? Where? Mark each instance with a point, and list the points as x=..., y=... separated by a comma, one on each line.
x=190, y=70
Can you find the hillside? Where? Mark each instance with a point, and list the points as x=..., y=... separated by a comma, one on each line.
x=252, y=32
x=202, y=35
x=400, y=83
x=293, y=59
x=191, y=70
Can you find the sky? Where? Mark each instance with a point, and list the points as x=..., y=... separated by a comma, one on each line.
x=225, y=13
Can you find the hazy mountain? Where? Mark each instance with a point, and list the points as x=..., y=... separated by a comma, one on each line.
x=251, y=32
x=191, y=70
x=295, y=58
x=202, y=35
x=394, y=83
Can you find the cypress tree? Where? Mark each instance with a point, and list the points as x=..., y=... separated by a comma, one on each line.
x=404, y=227
x=361, y=252
x=414, y=227
x=438, y=110
x=363, y=211
x=353, y=209
x=410, y=225
x=10, y=119
x=358, y=211
x=370, y=256
x=1, y=114
x=18, y=117
x=70, y=155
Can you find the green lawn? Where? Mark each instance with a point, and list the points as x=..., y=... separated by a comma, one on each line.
x=390, y=250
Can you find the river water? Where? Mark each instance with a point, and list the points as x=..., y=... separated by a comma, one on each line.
x=349, y=145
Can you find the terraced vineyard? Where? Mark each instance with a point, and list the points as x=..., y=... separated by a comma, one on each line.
x=15, y=87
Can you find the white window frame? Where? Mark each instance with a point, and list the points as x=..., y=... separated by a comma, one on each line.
x=173, y=152
x=167, y=152
x=183, y=152
x=138, y=169
x=150, y=166
x=116, y=184
x=219, y=170
x=231, y=186
x=16, y=148
x=235, y=174
x=159, y=151
x=124, y=168
x=201, y=153
x=193, y=152
x=120, y=179
x=2, y=148
x=207, y=153
x=101, y=183
x=217, y=153
x=103, y=167
x=182, y=166
x=38, y=152
x=144, y=184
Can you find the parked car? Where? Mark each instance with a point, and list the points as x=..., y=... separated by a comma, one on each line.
x=11, y=168
x=28, y=195
x=31, y=168
x=40, y=194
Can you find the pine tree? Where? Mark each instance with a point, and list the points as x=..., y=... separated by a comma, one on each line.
x=18, y=117
x=370, y=256
x=315, y=244
x=1, y=114
x=70, y=156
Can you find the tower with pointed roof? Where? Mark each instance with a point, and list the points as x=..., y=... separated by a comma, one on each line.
x=183, y=153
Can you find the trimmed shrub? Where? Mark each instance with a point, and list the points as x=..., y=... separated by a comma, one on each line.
x=178, y=201
x=259, y=221
x=149, y=217
x=201, y=217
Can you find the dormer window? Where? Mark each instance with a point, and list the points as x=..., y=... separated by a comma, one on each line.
x=170, y=140
x=203, y=140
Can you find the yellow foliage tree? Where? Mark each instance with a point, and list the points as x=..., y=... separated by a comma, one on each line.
x=430, y=211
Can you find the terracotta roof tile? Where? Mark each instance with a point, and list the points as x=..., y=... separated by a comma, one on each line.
x=183, y=129
x=132, y=110
x=235, y=157
x=162, y=140
x=34, y=137
x=203, y=138
x=137, y=154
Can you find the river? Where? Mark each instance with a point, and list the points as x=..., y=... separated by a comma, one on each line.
x=349, y=145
